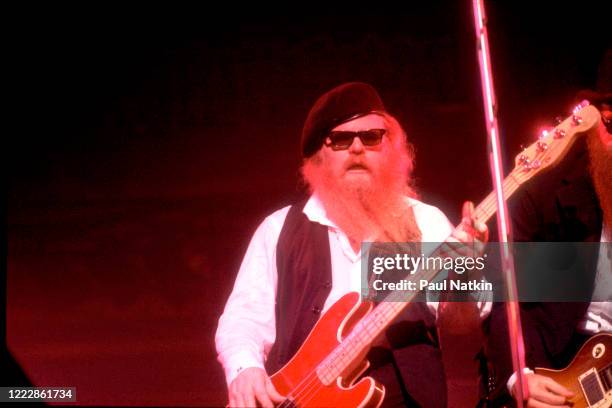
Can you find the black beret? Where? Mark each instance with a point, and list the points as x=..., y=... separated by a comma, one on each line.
x=343, y=103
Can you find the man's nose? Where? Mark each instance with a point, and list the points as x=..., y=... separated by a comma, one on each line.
x=356, y=146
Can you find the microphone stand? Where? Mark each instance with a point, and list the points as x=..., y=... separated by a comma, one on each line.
x=515, y=331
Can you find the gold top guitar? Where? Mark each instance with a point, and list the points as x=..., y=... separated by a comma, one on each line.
x=589, y=375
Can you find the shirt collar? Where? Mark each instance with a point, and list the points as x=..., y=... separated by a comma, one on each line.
x=315, y=212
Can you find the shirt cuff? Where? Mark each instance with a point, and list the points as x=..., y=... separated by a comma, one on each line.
x=238, y=361
x=512, y=379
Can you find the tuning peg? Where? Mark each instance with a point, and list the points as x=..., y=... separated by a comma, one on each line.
x=541, y=146
x=558, y=120
x=535, y=164
x=576, y=120
x=559, y=133
x=524, y=160
x=583, y=104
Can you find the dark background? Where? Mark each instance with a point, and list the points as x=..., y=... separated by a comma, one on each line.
x=150, y=143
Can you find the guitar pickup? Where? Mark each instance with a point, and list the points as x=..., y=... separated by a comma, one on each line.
x=592, y=387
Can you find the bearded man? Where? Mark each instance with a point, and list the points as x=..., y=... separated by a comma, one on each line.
x=303, y=258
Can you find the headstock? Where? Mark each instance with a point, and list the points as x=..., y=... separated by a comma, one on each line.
x=554, y=144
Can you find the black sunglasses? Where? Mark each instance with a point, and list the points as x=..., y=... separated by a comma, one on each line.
x=343, y=139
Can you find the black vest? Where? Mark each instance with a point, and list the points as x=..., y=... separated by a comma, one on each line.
x=303, y=264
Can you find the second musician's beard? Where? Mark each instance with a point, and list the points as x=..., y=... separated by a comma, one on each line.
x=376, y=210
x=601, y=172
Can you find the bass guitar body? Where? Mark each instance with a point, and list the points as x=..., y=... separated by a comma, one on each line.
x=301, y=381
x=589, y=375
